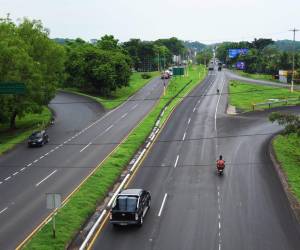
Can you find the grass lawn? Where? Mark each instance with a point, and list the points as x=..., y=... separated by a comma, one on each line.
x=257, y=76
x=243, y=95
x=25, y=126
x=83, y=202
x=287, y=149
x=122, y=94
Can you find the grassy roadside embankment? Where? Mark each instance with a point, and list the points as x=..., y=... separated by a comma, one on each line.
x=120, y=95
x=287, y=150
x=25, y=126
x=83, y=202
x=264, y=77
x=243, y=95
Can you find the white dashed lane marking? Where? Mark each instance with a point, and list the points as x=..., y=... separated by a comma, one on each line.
x=162, y=205
x=15, y=173
x=3, y=210
x=48, y=176
x=177, y=158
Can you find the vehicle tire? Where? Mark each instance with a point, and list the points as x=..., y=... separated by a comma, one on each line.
x=149, y=204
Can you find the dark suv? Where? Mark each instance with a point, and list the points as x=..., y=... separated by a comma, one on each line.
x=130, y=207
x=38, y=138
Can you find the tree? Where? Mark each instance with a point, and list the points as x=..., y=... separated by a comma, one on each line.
x=27, y=55
x=99, y=68
x=261, y=43
x=290, y=122
x=204, y=56
x=108, y=42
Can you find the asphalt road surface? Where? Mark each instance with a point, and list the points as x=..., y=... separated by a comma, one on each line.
x=193, y=208
x=27, y=174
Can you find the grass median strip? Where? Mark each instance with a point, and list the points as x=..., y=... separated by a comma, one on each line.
x=287, y=149
x=264, y=77
x=243, y=95
x=122, y=94
x=82, y=204
x=25, y=126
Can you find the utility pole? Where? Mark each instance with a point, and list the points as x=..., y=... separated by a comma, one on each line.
x=293, y=73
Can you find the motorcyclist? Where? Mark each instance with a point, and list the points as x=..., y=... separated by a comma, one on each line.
x=220, y=163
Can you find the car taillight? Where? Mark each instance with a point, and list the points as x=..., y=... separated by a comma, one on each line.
x=136, y=216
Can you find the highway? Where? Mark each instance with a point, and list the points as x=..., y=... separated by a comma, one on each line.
x=27, y=174
x=193, y=208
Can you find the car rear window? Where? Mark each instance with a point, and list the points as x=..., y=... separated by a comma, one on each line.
x=126, y=203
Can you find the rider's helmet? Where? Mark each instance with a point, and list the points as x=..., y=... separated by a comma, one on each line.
x=221, y=157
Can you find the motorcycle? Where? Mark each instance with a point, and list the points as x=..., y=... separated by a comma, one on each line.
x=220, y=170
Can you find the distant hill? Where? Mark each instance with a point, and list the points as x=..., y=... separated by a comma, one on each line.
x=196, y=46
x=287, y=45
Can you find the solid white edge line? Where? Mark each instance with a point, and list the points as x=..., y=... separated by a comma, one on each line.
x=177, y=158
x=35, y=161
x=91, y=232
x=48, y=176
x=162, y=205
x=15, y=173
x=22, y=169
x=7, y=178
x=28, y=165
x=218, y=103
x=3, y=210
x=118, y=190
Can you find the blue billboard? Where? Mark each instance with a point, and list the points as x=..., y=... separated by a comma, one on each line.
x=240, y=65
x=233, y=53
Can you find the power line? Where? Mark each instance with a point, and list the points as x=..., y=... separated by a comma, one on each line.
x=157, y=141
x=168, y=98
x=151, y=166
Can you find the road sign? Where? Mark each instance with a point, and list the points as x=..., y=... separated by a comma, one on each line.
x=53, y=201
x=12, y=88
x=178, y=71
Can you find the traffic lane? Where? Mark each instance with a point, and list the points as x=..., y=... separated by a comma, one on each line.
x=154, y=175
x=45, y=169
x=74, y=140
x=20, y=156
x=30, y=203
x=254, y=206
x=72, y=162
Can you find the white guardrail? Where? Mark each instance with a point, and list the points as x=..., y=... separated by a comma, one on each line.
x=275, y=101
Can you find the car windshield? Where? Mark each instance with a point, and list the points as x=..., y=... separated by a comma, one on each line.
x=36, y=135
x=126, y=203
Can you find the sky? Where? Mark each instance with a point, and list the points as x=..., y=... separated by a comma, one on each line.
x=206, y=21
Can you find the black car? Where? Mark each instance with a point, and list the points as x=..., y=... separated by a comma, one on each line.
x=38, y=138
x=130, y=207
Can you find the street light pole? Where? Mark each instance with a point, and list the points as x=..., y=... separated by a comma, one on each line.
x=293, y=72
